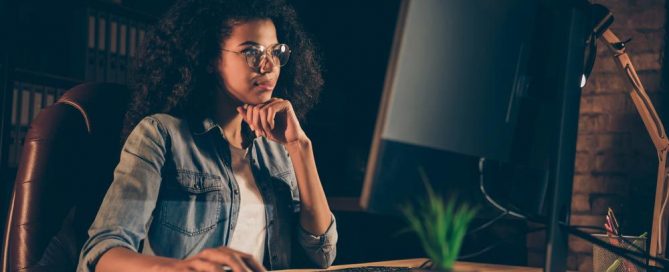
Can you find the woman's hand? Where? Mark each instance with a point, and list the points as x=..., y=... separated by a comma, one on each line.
x=275, y=120
x=219, y=260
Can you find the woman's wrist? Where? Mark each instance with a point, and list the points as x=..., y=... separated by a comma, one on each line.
x=300, y=144
x=164, y=264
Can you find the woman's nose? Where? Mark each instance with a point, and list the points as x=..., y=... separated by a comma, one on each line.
x=267, y=65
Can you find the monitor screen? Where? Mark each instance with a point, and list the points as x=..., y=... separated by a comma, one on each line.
x=459, y=69
x=458, y=76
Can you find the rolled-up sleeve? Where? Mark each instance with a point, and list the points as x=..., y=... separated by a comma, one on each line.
x=321, y=249
x=131, y=198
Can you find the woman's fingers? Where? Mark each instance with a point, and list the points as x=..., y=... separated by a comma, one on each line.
x=253, y=263
x=249, y=117
x=264, y=122
x=201, y=264
x=225, y=257
x=270, y=117
x=256, y=120
x=261, y=118
x=272, y=108
x=238, y=265
x=246, y=259
x=266, y=114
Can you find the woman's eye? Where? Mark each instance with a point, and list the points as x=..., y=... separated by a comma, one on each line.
x=251, y=52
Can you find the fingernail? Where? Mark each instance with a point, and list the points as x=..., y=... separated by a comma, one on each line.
x=246, y=106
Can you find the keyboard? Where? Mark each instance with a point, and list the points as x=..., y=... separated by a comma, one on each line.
x=376, y=269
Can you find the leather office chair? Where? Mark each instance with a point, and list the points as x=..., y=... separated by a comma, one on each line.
x=66, y=166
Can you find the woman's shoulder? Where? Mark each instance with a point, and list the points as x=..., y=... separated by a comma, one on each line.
x=165, y=121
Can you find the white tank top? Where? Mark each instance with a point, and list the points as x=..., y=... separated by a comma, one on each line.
x=249, y=233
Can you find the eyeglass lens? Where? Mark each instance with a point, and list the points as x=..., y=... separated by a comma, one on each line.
x=256, y=55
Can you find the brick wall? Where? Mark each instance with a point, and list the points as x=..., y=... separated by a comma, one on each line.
x=615, y=159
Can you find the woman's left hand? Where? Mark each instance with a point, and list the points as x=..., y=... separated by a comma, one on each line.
x=275, y=120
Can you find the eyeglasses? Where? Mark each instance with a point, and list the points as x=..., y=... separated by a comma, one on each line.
x=256, y=54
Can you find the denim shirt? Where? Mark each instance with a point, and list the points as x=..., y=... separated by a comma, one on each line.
x=174, y=188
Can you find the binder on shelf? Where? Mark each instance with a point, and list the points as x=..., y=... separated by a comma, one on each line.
x=115, y=35
x=108, y=39
x=15, y=106
x=123, y=60
x=102, y=48
x=20, y=121
x=37, y=105
x=140, y=38
x=133, y=41
x=112, y=66
x=91, y=51
x=50, y=96
x=26, y=110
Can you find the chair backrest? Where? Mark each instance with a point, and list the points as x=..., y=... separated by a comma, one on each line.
x=66, y=166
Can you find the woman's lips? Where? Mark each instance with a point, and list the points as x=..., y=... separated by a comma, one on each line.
x=265, y=86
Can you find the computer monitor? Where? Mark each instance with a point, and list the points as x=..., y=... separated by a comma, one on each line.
x=471, y=79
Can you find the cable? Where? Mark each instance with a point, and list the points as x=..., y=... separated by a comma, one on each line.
x=487, y=224
x=426, y=264
x=490, y=199
x=498, y=243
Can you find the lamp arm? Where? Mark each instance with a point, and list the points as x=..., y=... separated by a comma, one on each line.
x=656, y=131
x=639, y=96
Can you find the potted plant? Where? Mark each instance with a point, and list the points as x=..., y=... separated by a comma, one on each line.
x=440, y=226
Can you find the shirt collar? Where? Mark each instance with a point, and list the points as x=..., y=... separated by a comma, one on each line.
x=204, y=125
x=200, y=126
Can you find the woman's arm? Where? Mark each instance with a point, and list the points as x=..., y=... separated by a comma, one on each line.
x=315, y=214
x=212, y=259
x=123, y=259
x=276, y=120
x=131, y=198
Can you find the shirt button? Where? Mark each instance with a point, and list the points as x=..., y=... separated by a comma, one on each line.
x=236, y=191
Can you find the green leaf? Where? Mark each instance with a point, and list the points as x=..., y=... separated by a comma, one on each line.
x=440, y=227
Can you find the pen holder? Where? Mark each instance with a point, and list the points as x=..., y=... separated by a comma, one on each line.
x=602, y=259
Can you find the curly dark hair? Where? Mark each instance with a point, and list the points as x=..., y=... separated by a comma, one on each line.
x=171, y=73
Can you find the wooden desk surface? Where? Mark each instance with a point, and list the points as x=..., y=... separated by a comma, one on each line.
x=459, y=266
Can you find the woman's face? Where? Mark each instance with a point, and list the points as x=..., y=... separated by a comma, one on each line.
x=243, y=83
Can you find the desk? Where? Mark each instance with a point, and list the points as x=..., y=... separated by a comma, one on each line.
x=459, y=266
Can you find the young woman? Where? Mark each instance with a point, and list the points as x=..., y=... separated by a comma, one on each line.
x=216, y=171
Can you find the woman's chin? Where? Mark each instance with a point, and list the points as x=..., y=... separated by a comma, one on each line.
x=260, y=99
x=264, y=97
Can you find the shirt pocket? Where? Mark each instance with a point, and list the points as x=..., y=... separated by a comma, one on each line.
x=193, y=204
